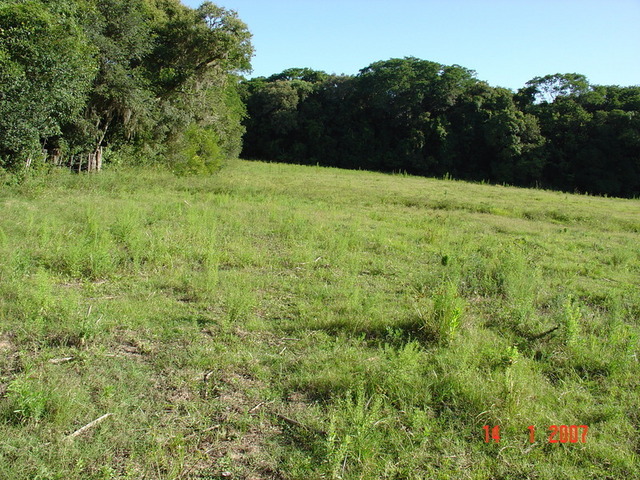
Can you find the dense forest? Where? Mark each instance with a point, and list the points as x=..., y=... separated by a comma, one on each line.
x=130, y=81
x=154, y=81
x=425, y=118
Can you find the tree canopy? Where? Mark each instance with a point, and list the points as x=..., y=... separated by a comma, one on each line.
x=426, y=118
x=155, y=81
x=137, y=78
x=46, y=69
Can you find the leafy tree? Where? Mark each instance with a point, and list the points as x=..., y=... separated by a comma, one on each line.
x=120, y=104
x=431, y=119
x=492, y=139
x=548, y=88
x=405, y=102
x=139, y=77
x=591, y=133
x=401, y=114
x=46, y=68
x=274, y=122
x=191, y=43
x=608, y=157
x=304, y=74
x=513, y=139
x=193, y=72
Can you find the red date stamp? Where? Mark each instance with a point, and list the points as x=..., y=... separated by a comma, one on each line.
x=557, y=433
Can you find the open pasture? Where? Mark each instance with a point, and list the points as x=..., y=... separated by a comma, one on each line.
x=288, y=322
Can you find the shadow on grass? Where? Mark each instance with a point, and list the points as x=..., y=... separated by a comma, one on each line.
x=378, y=334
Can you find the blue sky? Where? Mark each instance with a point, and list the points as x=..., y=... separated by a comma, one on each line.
x=507, y=42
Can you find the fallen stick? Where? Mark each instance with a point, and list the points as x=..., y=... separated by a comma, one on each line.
x=88, y=426
x=261, y=404
x=291, y=421
x=57, y=361
x=251, y=410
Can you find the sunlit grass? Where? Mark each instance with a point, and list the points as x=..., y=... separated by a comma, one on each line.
x=278, y=321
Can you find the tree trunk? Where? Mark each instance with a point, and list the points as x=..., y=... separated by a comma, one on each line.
x=94, y=163
x=55, y=156
x=99, y=159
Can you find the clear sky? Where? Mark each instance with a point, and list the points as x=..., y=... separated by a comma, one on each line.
x=507, y=42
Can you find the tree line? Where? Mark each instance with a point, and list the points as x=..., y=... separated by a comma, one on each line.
x=425, y=118
x=124, y=80
x=138, y=81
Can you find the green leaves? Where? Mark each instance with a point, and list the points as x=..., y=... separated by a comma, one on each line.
x=448, y=308
x=193, y=43
x=397, y=115
x=550, y=87
x=47, y=66
x=80, y=75
x=426, y=118
x=196, y=151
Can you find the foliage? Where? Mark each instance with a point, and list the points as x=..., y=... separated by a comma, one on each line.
x=448, y=308
x=550, y=87
x=426, y=118
x=195, y=152
x=27, y=401
x=592, y=138
x=127, y=76
x=46, y=66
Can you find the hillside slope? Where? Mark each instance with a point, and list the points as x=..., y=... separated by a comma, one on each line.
x=279, y=321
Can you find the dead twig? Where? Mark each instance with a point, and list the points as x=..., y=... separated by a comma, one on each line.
x=204, y=391
x=251, y=410
x=291, y=421
x=307, y=263
x=88, y=426
x=261, y=404
x=58, y=361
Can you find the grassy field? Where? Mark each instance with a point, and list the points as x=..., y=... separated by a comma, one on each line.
x=288, y=322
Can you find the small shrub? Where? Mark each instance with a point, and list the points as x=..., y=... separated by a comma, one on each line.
x=448, y=308
x=511, y=355
x=356, y=437
x=27, y=400
x=570, y=321
x=196, y=152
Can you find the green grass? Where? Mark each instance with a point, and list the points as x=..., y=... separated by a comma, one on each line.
x=287, y=322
